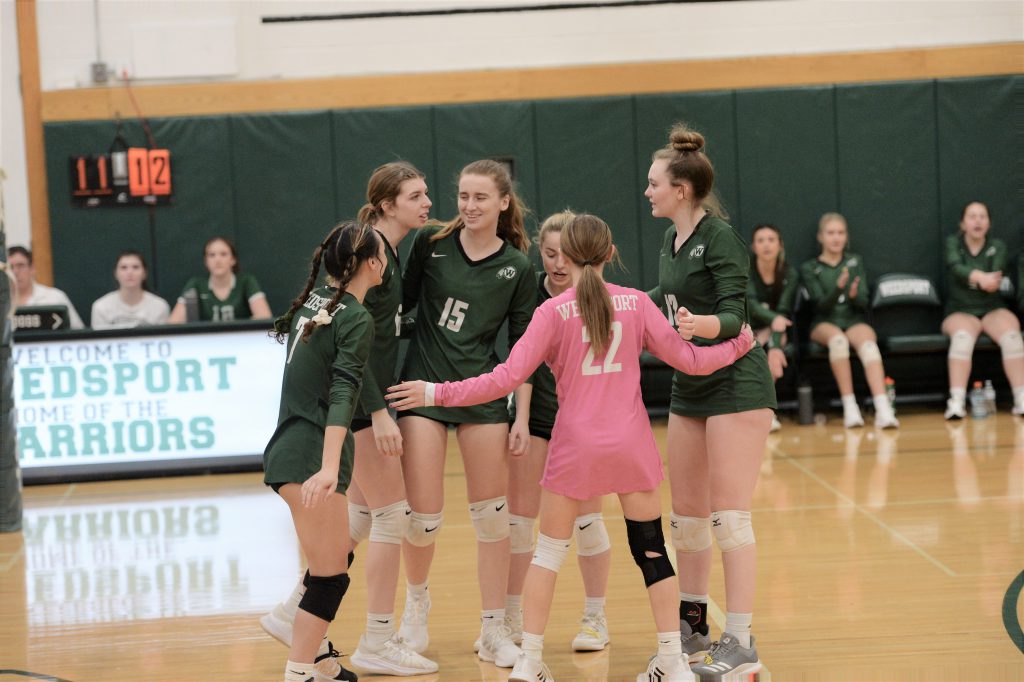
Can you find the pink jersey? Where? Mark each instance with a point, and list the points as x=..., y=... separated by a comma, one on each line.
x=601, y=441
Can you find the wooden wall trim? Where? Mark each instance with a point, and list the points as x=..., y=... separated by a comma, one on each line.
x=35, y=154
x=519, y=84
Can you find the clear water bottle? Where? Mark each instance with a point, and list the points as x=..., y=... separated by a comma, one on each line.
x=890, y=392
x=990, y=397
x=977, y=398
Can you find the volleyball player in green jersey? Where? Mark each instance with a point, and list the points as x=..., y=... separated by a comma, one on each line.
x=309, y=457
x=535, y=409
x=226, y=294
x=718, y=424
x=837, y=286
x=465, y=280
x=976, y=263
x=397, y=202
x=771, y=294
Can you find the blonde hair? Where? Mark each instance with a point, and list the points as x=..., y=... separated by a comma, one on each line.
x=829, y=217
x=555, y=222
x=510, y=221
x=587, y=242
x=685, y=160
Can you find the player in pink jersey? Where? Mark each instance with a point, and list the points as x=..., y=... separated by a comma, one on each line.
x=592, y=336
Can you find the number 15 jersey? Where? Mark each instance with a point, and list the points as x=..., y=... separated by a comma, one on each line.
x=461, y=304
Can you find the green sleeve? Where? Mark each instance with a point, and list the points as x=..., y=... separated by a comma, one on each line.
x=353, y=336
x=370, y=398
x=524, y=302
x=787, y=300
x=823, y=302
x=655, y=296
x=413, y=273
x=1001, y=259
x=760, y=316
x=863, y=288
x=954, y=261
x=729, y=264
x=251, y=288
x=192, y=283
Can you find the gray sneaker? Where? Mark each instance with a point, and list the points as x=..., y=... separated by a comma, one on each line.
x=728, y=660
x=695, y=645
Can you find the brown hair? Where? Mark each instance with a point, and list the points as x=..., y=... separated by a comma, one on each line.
x=555, y=222
x=231, y=247
x=132, y=253
x=685, y=160
x=587, y=241
x=342, y=252
x=385, y=184
x=780, y=262
x=963, y=211
x=510, y=221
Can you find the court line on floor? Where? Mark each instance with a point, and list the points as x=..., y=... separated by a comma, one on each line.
x=860, y=509
x=901, y=503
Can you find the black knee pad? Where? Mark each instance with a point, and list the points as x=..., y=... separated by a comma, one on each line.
x=647, y=536
x=323, y=594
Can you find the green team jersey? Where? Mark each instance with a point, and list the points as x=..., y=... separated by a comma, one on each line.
x=384, y=302
x=832, y=304
x=708, y=276
x=544, y=399
x=965, y=297
x=322, y=377
x=234, y=307
x=766, y=301
x=461, y=304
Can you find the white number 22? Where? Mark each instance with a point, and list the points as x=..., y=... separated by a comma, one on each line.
x=609, y=365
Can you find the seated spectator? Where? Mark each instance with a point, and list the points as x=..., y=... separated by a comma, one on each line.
x=837, y=285
x=225, y=295
x=771, y=294
x=976, y=263
x=31, y=292
x=131, y=305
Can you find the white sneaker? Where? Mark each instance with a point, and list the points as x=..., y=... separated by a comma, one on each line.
x=657, y=671
x=393, y=658
x=955, y=409
x=1018, y=410
x=529, y=670
x=852, y=418
x=776, y=425
x=277, y=625
x=496, y=646
x=593, y=634
x=413, y=631
x=514, y=624
x=886, y=420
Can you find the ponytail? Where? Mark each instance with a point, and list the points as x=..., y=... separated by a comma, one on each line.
x=587, y=242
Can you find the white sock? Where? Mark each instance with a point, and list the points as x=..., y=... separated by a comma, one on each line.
x=291, y=604
x=593, y=605
x=882, y=405
x=416, y=590
x=1018, y=393
x=670, y=647
x=513, y=604
x=958, y=394
x=297, y=672
x=695, y=598
x=379, y=629
x=849, y=403
x=492, y=618
x=533, y=646
x=738, y=625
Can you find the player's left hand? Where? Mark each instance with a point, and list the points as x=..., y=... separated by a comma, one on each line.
x=686, y=323
x=386, y=434
x=407, y=395
x=318, y=487
x=518, y=438
x=852, y=293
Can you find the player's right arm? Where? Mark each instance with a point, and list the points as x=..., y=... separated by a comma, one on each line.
x=413, y=274
x=665, y=344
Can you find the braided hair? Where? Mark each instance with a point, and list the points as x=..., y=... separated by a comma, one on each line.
x=348, y=245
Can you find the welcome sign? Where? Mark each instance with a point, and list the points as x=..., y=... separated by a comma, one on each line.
x=106, y=400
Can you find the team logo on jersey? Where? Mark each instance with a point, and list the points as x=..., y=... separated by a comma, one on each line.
x=507, y=273
x=852, y=263
x=697, y=251
x=991, y=251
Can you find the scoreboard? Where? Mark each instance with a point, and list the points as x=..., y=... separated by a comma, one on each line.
x=136, y=176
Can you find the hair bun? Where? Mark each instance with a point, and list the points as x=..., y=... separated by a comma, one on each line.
x=683, y=139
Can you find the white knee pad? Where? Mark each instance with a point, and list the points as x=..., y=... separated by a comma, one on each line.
x=423, y=528
x=690, y=533
x=390, y=523
x=961, y=345
x=732, y=529
x=520, y=533
x=838, y=348
x=358, y=522
x=868, y=353
x=550, y=552
x=1011, y=345
x=490, y=519
x=591, y=535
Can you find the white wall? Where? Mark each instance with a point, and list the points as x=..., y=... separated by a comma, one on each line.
x=159, y=41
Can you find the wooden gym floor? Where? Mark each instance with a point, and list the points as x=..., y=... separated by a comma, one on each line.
x=883, y=556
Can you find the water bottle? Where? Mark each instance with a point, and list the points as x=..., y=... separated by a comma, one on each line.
x=990, y=397
x=805, y=404
x=890, y=392
x=977, y=397
x=191, y=305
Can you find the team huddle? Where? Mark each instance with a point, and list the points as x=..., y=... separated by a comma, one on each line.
x=576, y=429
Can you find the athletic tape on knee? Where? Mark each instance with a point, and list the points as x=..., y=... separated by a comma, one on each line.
x=423, y=528
x=868, y=352
x=732, y=529
x=550, y=552
x=359, y=521
x=390, y=523
x=490, y=519
x=690, y=533
x=961, y=345
x=647, y=537
x=323, y=595
x=1011, y=345
x=838, y=348
x=591, y=535
x=520, y=533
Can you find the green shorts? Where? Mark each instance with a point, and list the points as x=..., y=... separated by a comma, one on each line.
x=745, y=385
x=981, y=310
x=494, y=412
x=295, y=453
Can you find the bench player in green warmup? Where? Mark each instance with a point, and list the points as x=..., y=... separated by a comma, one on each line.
x=837, y=285
x=226, y=294
x=976, y=264
x=309, y=458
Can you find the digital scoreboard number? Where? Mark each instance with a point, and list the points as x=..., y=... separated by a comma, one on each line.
x=135, y=176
